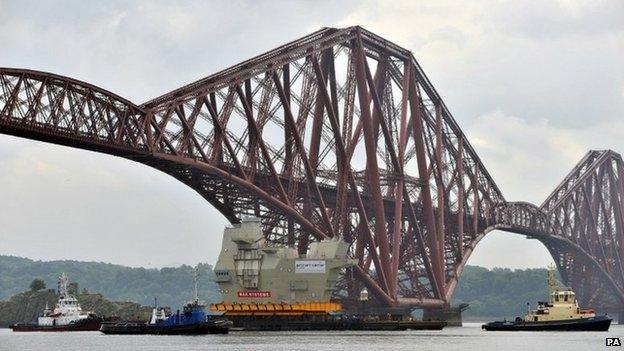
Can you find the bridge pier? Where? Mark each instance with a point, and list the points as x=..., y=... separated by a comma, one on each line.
x=451, y=315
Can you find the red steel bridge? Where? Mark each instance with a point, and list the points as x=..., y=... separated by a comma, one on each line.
x=339, y=134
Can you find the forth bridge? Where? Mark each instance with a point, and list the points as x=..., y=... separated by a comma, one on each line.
x=339, y=134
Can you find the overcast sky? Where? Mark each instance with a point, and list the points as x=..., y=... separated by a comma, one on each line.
x=533, y=84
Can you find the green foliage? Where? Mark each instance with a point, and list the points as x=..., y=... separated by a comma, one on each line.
x=172, y=286
x=500, y=292
x=25, y=307
x=37, y=284
x=122, y=309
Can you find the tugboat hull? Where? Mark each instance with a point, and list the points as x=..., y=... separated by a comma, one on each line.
x=90, y=324
x=599, y=323
x=190, y=329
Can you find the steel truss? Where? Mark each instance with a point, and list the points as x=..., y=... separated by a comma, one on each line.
x=337, y=134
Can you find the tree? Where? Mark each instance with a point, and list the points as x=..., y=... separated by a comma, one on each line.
x=37, y=284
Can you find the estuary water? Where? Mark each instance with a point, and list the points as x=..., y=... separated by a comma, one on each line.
x=469, y=337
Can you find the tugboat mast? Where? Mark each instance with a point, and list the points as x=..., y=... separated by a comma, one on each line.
x=62, y=285
x=554, y=284
x=195, y=280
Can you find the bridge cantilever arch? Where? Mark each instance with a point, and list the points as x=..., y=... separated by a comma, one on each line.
x=339, y=134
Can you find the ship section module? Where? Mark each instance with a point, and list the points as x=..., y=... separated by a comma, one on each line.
x=268, y=287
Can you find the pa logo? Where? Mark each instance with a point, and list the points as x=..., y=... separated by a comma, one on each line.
x=614, y=342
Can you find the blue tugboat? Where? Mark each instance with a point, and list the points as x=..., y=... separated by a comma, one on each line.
x=192, y=321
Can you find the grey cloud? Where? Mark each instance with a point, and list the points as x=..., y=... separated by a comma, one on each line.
x=144, y=49
x=552, y=20
x=481, y=60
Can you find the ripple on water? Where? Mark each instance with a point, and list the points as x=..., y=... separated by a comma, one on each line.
x=469, y=337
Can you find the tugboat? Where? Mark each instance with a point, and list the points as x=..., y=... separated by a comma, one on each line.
x=66, y=316
x=560, y=313
x=192, y=321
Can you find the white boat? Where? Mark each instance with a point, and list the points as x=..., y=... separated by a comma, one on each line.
x=67, y=315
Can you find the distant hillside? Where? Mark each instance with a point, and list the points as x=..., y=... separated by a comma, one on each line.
x=500, y=292
x=490, y=293
x=172, y=286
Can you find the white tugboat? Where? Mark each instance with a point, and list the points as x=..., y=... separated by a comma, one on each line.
x=67, y=315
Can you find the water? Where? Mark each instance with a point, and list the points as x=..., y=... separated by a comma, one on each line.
x=469, y=337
